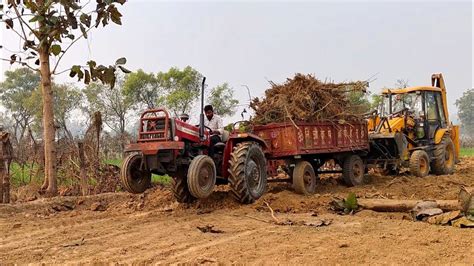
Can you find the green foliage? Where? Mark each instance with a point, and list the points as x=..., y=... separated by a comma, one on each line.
x=229, y=127
x=467, y=152
x=53, y=26
x=350, y=203
x=359, y=101
x=66, y=98
x=113, y=104
x=222, y=99
x=182, y=87
x=24, y=174
x=465, y=106
x=375, y=101
x=15, y=92
x=144, y=88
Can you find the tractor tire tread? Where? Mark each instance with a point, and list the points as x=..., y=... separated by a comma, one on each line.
x=124, y=171
x=179, y=186
x=237, y=181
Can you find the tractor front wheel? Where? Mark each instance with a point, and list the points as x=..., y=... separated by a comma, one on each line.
x=201, y=176
x=134, y=178
x=248, y=172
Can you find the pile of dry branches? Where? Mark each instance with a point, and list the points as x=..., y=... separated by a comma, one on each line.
x=305, y=98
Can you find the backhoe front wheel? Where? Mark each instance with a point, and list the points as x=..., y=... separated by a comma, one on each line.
x=134, y=178
x=248, y=173
x=419, y=163
x=443, y=157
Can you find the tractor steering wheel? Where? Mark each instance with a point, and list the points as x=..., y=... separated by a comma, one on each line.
x=209, y=129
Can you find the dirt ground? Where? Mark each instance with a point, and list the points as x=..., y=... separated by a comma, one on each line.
x=153, y=228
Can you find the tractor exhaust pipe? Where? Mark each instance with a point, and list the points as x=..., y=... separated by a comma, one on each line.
x=201, y=117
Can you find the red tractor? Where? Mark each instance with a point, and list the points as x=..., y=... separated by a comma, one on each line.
x=169, y=146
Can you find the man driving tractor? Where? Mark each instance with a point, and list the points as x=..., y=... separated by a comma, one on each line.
x=213, y=122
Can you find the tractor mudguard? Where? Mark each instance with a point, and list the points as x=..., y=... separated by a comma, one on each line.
x=248, y=137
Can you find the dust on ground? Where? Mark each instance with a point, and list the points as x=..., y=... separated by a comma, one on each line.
x=152, y=227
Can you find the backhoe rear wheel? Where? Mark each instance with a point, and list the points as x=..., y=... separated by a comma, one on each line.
x=443, y=157
x=304, y=178
x=248, y=172
x=179, y=186
x=201, y=176
x=134, y=179
x=353, y=170
x=419, y=163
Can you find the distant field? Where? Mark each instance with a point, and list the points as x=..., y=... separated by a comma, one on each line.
x=467, y=152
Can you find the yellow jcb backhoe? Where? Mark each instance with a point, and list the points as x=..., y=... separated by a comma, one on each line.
x=412, y=129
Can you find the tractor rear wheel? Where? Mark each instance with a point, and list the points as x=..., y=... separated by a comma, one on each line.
x=353, y=170
x=419, y=163
x=179, y=186
x=248, y=172
x=134, y=178
x=304, y=178
x=443, y=157
x=201, y=176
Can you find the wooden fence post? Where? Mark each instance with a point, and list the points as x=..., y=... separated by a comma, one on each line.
x=82, y=165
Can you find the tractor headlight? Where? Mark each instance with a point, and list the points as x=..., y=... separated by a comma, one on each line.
x=176, y=138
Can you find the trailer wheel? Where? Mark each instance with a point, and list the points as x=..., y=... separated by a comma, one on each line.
x=248, y=172
x=179, y=186
x=444, y=158
x=419, y=163
x=304, y=178
x=201, y=176
x=134, y=179
x=353, y=170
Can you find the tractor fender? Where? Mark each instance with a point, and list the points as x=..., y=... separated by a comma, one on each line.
x=240, y=137
x=439, y=135
x=233, y=140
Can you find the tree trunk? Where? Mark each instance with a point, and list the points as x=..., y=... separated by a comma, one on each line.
x=392, y=205
x=48, y=123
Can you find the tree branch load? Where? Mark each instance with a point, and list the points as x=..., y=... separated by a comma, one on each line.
x=305, y=98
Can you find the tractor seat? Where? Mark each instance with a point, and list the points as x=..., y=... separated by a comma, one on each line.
x=219, y=145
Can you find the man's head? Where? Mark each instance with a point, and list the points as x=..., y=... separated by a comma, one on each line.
x=209, y=111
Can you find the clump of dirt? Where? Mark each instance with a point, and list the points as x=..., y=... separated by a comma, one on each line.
x=305, y=98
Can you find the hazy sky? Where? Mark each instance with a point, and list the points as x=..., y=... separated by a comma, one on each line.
x=252, y=42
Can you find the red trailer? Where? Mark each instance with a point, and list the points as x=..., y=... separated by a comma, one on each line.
x=300, y=149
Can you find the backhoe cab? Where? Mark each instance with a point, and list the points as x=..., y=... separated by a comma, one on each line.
x=412, y=129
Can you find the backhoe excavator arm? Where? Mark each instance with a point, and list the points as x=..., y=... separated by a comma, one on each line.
x=438, y=81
